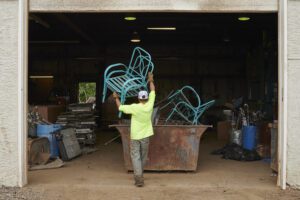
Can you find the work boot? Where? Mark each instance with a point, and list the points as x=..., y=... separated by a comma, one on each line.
x=139, y=181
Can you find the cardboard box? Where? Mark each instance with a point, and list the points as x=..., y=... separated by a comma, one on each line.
x=50, y=112
x=224, y=129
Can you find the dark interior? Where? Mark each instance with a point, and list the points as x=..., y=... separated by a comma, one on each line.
x=221, y=57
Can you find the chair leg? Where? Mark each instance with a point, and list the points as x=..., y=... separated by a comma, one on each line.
x=170, y=115
x=104, y=93
x=120, y=114
x=184, y=117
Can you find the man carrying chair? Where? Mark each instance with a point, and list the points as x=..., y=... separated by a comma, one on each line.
x=140, y=129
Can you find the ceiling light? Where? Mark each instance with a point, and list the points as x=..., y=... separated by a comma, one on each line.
x=40, y=76
x=135, y=40
x=244, y=18
x=135, y=37
x=130, y=18
x=226, y=39
x=162, y=28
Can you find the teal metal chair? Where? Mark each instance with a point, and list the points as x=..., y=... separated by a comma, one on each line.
x=127, y=81
x=183, y=109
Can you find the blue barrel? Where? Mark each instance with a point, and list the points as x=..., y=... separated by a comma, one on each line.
x=249, y=137
x=47, y=131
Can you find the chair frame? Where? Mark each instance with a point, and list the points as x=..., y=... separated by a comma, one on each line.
x=184, y=109
x=128, y=80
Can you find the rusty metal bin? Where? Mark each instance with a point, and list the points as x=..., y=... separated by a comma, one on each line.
x=172, y=148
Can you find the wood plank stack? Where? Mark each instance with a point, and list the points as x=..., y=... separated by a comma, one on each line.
x=82, y=118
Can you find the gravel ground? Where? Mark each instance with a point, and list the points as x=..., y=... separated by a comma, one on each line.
x=7, y=193
x=28, y=193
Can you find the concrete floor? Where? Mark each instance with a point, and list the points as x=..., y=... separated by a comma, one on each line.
x=102, y=174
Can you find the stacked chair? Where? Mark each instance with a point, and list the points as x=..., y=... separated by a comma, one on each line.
x=183, y=109
x=127, y=81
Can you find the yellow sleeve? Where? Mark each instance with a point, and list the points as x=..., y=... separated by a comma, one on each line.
x=128, y=109
x=151, y=100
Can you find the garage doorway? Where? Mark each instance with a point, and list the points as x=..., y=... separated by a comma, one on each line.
x=222, y=56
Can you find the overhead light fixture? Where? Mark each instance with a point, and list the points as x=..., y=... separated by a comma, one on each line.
x=135, y=38
x=130, y=17
x=226, y=39
x=244, y=18
x=40, y=76
x=162, y=28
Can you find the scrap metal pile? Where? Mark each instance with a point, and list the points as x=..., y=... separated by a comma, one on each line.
x=34, y=118
x=184, y=106
x=82, y=118
x=244, y=133
x=241, y=117
x=127, y=81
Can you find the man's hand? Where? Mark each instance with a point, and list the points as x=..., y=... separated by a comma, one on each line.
x=115, y=95
x=151, y=81
x=150, y=77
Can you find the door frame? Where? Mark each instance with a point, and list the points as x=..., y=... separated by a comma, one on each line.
x=23, y=85
x=282, y=93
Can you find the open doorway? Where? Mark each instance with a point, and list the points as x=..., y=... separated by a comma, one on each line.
x=221, y=56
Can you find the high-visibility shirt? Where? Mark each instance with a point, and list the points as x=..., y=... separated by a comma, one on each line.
x=141, y=125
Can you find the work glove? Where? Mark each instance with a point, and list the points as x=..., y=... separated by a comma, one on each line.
x=115, y=95
x=150, y=77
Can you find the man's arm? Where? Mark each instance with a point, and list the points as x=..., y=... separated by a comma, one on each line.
x=116, y=97
x=128, y=109
x=151, y=81
x=151, y=100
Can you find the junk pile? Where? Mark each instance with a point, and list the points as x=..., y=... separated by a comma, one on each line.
x=236, y=152
x=34, y=118
x=81, y=117
x=51, y=144
x=243, y=126
x=183, y=106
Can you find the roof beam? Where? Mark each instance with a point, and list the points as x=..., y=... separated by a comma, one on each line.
x=64, y=19
x=39, y=20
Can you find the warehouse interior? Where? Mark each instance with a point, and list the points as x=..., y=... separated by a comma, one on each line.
x=224, y=57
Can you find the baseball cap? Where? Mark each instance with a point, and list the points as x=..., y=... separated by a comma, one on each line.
x=143, y=95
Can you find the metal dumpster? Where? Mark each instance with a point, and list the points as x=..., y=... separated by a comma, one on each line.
x=172, y=148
